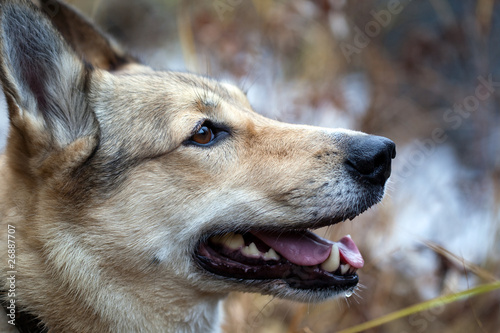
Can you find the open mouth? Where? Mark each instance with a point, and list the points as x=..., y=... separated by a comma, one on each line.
x=300, y=258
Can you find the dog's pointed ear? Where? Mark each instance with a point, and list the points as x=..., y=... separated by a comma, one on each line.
x=45, y=83
x=84, y=37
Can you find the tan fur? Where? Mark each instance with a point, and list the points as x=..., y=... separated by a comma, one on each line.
x=107, y=221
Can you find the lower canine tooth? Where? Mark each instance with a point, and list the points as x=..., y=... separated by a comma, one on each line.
x=251, y=251
x=344, y=268
x=333, y=261
x=271, y=255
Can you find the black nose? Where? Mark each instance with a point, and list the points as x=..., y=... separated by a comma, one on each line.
x=369, y=158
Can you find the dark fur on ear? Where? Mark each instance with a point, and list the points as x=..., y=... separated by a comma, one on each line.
x=84, y=37
x=45, y=83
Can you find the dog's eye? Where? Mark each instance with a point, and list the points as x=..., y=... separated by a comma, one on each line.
x=204, y=136
x=208, y=134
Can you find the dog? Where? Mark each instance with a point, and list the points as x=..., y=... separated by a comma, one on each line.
x=135, y=200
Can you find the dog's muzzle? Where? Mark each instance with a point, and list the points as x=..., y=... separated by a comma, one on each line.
x=298, y=257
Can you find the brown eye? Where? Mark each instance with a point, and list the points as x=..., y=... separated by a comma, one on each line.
x=203, y=136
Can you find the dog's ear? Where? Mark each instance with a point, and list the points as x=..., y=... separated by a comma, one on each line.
x=84, y=37
x=45, y=85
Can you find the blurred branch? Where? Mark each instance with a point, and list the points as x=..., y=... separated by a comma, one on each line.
x=484, y=14
x=444, y=11
x=262, y=7
x=485, y=275
x=95, y=7
x=439, y=301
x=186, y=36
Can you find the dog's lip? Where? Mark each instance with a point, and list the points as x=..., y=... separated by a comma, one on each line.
x=298, y=277
x=231, y=263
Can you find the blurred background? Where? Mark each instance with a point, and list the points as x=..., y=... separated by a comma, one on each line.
x=425, y=73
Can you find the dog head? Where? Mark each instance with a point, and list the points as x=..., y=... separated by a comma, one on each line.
x=170, y=181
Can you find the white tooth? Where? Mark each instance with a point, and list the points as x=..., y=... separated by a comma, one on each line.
x=349, y=236
x=235, y=242
x=251, y=251
x=230, y=240
x=219, y=239
x=333, y=261
x=344, y=268
x=271, y=254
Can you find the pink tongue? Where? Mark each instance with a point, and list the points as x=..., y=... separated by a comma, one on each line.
x=303, y=249
x=308, y=249
x=350, y=253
